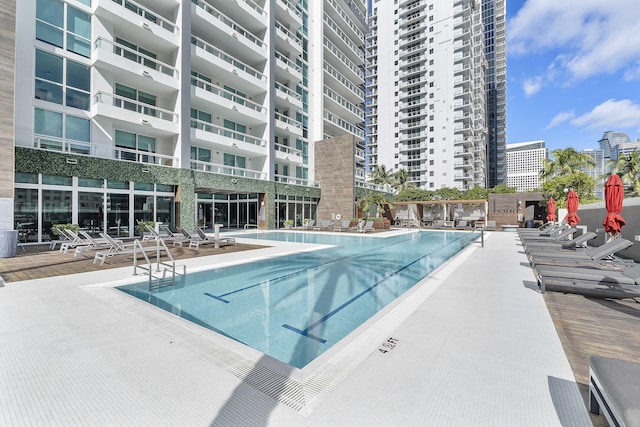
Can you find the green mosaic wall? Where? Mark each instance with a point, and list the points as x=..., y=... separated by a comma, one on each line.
x=187, y=181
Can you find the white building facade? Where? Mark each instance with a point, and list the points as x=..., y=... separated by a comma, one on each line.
x=236, y=90
x=525, y=160
x=427, y=103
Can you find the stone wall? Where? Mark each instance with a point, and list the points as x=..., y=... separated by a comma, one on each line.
x=7, y=73
x=335, y=172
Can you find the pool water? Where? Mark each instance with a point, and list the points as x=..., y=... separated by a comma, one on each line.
x=295, y=307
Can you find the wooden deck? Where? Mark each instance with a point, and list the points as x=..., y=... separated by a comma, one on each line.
x=592, y=326
x=39, y=262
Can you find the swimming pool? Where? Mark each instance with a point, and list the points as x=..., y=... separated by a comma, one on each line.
x=295, y=307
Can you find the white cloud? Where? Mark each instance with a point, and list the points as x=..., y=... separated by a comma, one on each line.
x=633, y=73
x=560, y=118
x=532, y=86
x=611, y=114
x=589, y=37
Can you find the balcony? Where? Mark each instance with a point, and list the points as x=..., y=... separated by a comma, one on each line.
x=291, y=126
x=136, y=69
x=133, y=21
x=237, y=106
x=228, y=67
x=292, y=99
x=227, y=170
x=234, y=37
x=82, y=148
x=339, y=15
x=149, y=116
x=289, y=39
x=288, y=12
x=211, y=133
x=288, y=154
x=287, y=68
x=333, y=99
x=295, y=181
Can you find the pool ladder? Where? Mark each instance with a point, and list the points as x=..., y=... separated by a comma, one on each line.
x=463, y=241
x=158, y=276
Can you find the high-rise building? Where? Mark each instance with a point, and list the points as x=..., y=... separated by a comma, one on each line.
x=184, y=112
x=609, y=140
x=524, y=161
x=598, y=170
x=436, y=91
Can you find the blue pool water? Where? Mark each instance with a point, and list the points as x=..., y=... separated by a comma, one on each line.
x=296, y=307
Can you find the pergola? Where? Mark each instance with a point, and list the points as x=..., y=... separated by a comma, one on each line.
x=428, y=211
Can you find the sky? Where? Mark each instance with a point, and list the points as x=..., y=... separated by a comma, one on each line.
x=573, y=71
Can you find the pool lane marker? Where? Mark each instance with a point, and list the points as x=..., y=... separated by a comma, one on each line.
x=305, y=332
x=286, y=276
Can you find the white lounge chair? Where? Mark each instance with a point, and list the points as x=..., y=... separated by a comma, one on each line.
x=92, y=244
x=203, y=239
x=117, y=248
x=368, y=226
x=342, y=226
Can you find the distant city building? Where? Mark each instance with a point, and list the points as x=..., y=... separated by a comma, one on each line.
x=624, y=149
x=598, y=170
x=524, y=163
x=609, y=140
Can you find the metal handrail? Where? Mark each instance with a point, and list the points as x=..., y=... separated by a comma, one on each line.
x=169, y=265
x=481, y=229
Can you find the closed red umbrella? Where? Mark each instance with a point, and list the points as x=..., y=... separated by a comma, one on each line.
x=613, y=197
x=551, y=210
x=572, y=217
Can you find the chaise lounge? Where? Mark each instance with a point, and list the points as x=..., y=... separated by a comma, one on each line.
x=602, y=283
x=615, y=390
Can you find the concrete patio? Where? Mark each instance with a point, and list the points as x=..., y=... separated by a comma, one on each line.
x=473, y=344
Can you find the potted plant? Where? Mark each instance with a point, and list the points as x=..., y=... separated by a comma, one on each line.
x=288, y=223
x=142, y=226
x=55, y=229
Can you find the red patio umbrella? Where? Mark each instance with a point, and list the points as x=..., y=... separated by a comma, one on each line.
x=572, y=217
x=551, y=210
x=613, y=197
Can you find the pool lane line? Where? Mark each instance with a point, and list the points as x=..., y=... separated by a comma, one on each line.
x=294, y=273
x=305, y=332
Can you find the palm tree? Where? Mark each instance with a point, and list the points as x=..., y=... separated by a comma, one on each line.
x=371, y=199
x=567, y=161
x=401, y=180
x=628, y=167
x=382, y=176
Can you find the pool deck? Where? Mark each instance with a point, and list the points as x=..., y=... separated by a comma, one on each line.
x=472, y=345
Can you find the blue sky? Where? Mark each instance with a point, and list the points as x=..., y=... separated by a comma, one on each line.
x=573, y=71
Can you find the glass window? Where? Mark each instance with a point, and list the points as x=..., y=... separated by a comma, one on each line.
x=117, y=213
x=118, y=185
x=48, y=123
x=50, y=21
x=204, y=196
x=56, y=209
x=143, y=186
x=91, y=182
x=25, y=214
x=48, y=66
x=125, y=139
x=78, y=76
x=90, y=212
x=229, y=159
x=164, y=211
x=79, y=32
x=26, y=178
x=56, y=180
x=164, y=188
x=77, y=128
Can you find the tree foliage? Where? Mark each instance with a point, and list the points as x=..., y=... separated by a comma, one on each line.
x=580, y=181
x=628, y=167
x=567, y=161
x=373, y=201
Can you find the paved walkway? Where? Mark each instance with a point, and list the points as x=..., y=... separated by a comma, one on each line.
x=474, y=345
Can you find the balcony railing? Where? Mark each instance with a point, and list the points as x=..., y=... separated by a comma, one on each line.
x=288, y=120
x=288, y=62
x=346, y=19
x=342, y=101
x=83, y=148
x=288, y=150
x=135, y=56
x=237, y=29
x=228, y=133
x=226, y=170
x=288, y=92
x=147, y=15
x=295, y=181
x=132, y=105
x=231, y=96
x=227, y=58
